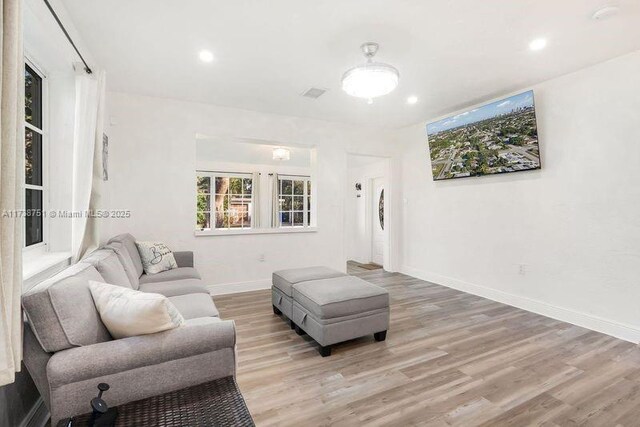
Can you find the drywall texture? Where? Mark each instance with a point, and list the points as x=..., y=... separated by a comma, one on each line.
x=152, y=174
x=574, y=226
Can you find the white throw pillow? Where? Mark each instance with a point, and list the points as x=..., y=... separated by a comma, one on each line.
x=156, y=257
x=127, y=313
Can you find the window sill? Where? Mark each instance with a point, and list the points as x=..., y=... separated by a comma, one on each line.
x=235, y=232
x=39, y=266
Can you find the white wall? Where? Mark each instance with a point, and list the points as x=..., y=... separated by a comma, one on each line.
x=152, y=159
x=358, y=219
x=256, y=152
x=574, y=224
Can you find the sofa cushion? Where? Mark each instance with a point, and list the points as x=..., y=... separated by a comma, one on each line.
x=340, y=296
x=129, y=313
x=192, y=306
x=285, y=279
x=129, y=243
x=197, y=336
x=183, y=258
x=125, y=259
x=170, y=275
x=109, y=266
x=61, y=311
x=176, y=287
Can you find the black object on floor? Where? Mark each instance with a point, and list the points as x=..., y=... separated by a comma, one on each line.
x=216, y=403
x=380, y=336
x=325, y=351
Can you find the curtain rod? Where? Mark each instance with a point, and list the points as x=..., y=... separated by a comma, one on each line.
x=289, y=175
x=249, y=173
x=225, y=172
x=64, y=30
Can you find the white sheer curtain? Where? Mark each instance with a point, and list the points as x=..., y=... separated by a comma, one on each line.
x=256, y=221
x=11, y=186
x=87, y=160
x=275, y=189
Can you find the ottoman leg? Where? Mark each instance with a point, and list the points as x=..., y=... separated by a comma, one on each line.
x=380, y=336
x=291, y=324
x=298, y=330
x=276, y=311
x=325, y=351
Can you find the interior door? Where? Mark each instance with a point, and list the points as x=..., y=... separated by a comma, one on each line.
x=377, y=222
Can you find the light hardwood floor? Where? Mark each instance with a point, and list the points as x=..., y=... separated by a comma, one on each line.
x=354, y=267
x=450, y=358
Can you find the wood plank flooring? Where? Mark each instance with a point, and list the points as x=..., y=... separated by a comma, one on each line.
x=354, y=267
x=450, y=359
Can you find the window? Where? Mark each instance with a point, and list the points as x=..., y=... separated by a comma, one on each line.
x=295, y=201
x=33, y=148
x=229, y=205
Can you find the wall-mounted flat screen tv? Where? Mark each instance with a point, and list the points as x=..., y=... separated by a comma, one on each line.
x=499, y=137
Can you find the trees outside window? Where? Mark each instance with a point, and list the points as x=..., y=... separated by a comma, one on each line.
x=294, y=201
x=224, y=201
x=33, y=162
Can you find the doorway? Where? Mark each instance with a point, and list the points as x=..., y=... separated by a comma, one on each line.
x=377, y=221
x=367, y=214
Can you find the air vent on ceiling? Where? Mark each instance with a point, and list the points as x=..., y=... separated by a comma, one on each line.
x=314, y=93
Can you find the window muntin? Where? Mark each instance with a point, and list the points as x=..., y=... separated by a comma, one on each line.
x=224, y=201
x=33, y=161
x=294, y=199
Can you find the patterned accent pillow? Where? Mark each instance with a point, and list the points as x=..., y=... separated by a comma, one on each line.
x=156, y=257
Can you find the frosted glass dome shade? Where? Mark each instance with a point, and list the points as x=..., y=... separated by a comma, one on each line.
x=370, y=80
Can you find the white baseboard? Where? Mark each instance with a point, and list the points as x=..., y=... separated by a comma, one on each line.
x=616, y=329
x=234, y=288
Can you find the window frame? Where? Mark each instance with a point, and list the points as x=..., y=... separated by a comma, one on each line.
x=212, y=175
x=44, y=133
x=307, y=197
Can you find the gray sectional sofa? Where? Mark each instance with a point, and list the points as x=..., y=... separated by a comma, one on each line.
x=68, y=350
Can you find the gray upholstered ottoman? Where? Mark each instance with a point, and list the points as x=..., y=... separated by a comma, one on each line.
x=339, y=309
x=283, y=282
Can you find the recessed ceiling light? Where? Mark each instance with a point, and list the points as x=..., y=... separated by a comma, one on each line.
x=206, y=56
x=412, y=99
x=538, y=44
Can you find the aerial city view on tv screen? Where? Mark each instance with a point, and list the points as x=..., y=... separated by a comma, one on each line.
x=496, y=138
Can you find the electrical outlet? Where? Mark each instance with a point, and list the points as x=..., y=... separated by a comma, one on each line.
x=522, y=269
x=261, y=258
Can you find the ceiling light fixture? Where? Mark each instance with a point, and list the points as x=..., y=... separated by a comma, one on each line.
x=412, y=100
x=205, y=56
x=371, y=79
x=538, y=44
x=281, y=154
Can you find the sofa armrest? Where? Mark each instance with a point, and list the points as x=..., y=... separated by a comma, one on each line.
x=206, y=335
x=184, y=258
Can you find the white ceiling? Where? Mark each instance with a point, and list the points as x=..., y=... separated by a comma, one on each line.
x=450, y=53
